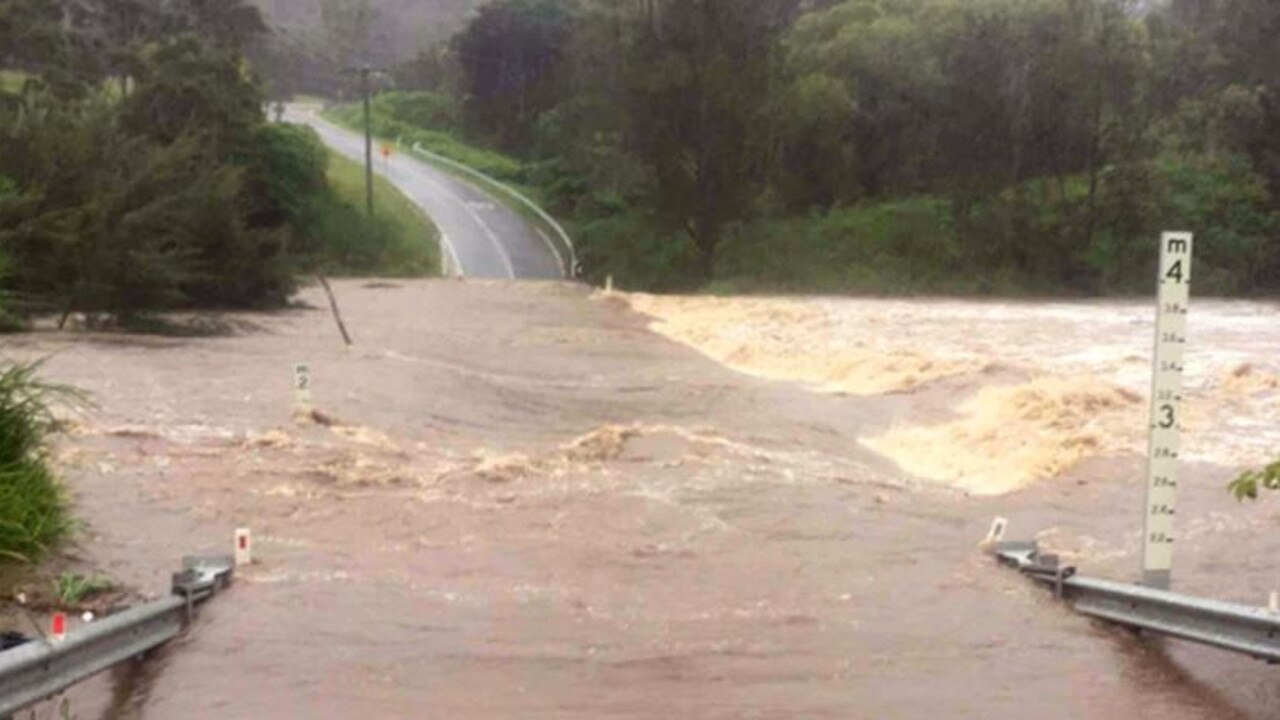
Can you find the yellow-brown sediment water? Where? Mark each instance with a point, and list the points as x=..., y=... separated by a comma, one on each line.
x=778, y=339
x=1010, y=436
x=1086, y=368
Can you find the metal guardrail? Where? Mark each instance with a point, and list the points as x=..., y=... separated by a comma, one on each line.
x=568, y=259
x=1252, y=631
x=38, y=669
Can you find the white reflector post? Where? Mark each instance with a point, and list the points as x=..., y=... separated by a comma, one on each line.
x=244, y=547
x=1172, y=297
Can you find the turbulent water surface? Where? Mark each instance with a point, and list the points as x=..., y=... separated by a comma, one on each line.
x=520, y=501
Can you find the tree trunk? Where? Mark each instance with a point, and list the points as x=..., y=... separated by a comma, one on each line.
x=708, y=261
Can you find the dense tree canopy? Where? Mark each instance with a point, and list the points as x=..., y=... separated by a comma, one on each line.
x=512, y=60
x=1031, y=143
x=137, y=169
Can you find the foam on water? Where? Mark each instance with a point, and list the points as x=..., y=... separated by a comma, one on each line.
x=1088, y=365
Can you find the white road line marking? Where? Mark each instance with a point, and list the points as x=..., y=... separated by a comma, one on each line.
x=554, y=251
x=454, y=262
x=497, y=244
x=493, y=238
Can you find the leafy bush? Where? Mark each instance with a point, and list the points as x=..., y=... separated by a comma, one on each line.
x=103, y=220
x=422, y=109
x=8, y=321
x=71, y=589
x=1218, y=196
x=891, y=247
x=33, y=515
x=286, y=172
x=637, y=255
x=1246, y=486
x=1026, y=238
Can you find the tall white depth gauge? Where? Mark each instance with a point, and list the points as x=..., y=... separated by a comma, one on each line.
x=1173, y=295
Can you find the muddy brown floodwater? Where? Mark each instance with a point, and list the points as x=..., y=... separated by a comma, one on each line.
x=528, y=504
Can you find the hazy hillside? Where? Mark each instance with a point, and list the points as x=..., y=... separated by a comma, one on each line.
x=401, y=27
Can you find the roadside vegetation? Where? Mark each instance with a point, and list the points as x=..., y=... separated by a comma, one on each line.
x=71, y=590
x=400, y=241
x=880, y=146
x=33, y=513
x=433, y=121
x=139, y=173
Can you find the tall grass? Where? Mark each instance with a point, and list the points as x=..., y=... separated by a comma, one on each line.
x=399, y=241
x=33, y=511
x=11, y=81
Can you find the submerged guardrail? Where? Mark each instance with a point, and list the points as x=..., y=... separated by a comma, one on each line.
x=36, y=669
x=1252, y=631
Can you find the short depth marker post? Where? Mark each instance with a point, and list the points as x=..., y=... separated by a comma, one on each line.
x=302, y=387
x=1173, y=295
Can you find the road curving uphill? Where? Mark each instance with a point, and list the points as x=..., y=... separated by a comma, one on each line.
x=480, y=236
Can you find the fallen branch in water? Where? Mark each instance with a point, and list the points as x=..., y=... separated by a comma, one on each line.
x=333, y=306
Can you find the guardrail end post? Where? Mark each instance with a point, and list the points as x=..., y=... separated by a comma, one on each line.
x=201, y=577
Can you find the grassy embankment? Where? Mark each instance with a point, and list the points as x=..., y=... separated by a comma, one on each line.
x=390, y=128
x=432, y=131
x=11, y=81
x=400, y=241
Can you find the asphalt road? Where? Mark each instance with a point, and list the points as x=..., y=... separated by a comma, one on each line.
x=480, y=236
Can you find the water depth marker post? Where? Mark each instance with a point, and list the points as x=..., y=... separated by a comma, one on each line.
x=302, y=387
x=1173, y=295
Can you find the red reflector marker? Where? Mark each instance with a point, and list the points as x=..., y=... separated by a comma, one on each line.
x=244, y=547
x=58, y=627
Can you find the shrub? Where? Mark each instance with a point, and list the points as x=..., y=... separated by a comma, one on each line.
x=899, y=246
x=1218, y=196
x=637, y=255
x=33, y=514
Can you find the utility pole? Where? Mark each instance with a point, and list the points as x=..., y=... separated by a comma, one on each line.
x=366, y=87
x=365, y=72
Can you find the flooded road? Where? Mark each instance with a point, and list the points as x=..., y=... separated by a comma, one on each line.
x=522, y=502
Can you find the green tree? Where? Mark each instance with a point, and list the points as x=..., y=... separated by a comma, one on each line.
x=29, y=32
x=185, y=87
x=511, y=56
x=695, y=75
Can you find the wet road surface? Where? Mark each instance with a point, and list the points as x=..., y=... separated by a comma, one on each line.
x=531, y=506
x=480, y=236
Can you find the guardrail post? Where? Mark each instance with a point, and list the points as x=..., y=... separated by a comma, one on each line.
x=1243, y=629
